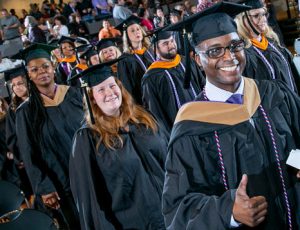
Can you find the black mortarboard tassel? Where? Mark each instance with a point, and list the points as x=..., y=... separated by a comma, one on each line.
x=212, y=22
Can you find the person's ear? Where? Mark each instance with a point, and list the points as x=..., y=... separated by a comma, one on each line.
x=198, y=61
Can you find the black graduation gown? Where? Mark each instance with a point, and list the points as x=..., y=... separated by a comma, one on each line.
x=3, y=147
x=20, y=176
x=257, y=68
x=47, y=163
x=48, y=167
x=158, y=92
x=130, y=71
x=119, y=189
x=61, y=76
x=11, y=137
x=194, y=196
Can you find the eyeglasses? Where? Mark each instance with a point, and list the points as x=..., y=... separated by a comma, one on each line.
x=35, y=69
x=258, y=17
x=217, y=52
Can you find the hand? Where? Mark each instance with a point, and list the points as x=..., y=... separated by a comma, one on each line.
x=51, y=200
x=10, y=155
x=248, y=211
x=298, y=174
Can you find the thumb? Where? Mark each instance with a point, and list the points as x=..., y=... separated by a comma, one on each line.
x=57, y=196
x=241, y=190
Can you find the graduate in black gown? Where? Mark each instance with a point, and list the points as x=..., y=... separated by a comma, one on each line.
x=138, y=56
x=68, y=60
x=267, y=59
x=226, y=164
x=17, y=79
x=108, y=51
x=3, y=147
x=45, y=126
x=117, y=163
x=163, y=83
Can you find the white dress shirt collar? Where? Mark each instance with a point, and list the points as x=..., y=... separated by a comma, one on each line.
x=213, y=93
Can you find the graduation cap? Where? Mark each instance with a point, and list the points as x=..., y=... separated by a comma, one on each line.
x=212, y=22
x=106, y=42
x=53, y=42
x=88, y=53
x=14, y=72
x=122, y=26
x=81, y=41
x=159, y=34
x=255, y=4
x=175, y=12
x=64, y=39
x=82, y=48
x=93, y=76
x=35, y=51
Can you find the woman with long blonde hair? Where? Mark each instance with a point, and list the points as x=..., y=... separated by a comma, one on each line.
x=108, y=51
x=138, y=56
x=266, y=58
x=117, y=162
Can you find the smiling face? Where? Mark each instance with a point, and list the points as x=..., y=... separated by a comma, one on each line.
x=135, y=34
x=224, y=72
x=19, y=87
x=167, y=48
x=41, y=72
x=109, y=53
x=107, y=95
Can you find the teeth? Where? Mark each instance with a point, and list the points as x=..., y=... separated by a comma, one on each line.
x=229, y=68
x=112, y=99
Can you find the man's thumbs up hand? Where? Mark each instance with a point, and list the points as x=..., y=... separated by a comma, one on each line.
x=248, y=211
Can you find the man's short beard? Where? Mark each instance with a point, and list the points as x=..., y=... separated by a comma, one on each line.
x=168, y=55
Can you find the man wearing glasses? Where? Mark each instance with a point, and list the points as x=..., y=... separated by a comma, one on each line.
x=226, y=162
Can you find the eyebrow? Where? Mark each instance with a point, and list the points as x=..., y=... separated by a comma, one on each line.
x=221, y=45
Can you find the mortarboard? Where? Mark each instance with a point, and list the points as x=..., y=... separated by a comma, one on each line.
x=159, y=34
x=122, y=26
x=64, y=39
x=15, y=72
x=53, y=42
x=35, y=51
x=212, y=22
x=89, y=52
x=175, y=12
x=82, y=48
x=93, y=76
x=96, y=74
x=255, y=4
x=81, y=41
x=106, y=42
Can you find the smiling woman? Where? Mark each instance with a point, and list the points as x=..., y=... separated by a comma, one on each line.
x=117, y=163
